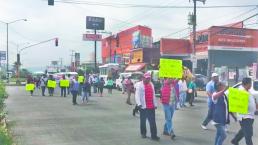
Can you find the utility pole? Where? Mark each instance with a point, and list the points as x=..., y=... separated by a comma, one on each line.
x=193, y=22
x=95, y=50
x=72, y=65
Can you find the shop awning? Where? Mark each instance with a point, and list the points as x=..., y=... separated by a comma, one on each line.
x=135, y=67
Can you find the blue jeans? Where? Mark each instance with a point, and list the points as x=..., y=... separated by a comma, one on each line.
x=220, y=135
x=169, y=112
x=182, y=98
x=85, y=96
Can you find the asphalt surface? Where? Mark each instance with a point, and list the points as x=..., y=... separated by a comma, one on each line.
x=108, y=120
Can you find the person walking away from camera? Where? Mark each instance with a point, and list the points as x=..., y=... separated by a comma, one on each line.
x=246, y=120
x=43, y=83
x=137, y=91
x=191, y=91
x=30, y=81
x=168, y=99
x=123, y=84
x=90, y=80
x=146, y=100
x=75, y=90
x=210, y=90
x=110, y=84
x=70, y=82
x=85, y=87
x=182, y=91
x=101, y=86
x=80, y=81
x=220, y=114
x=129, y=90
x=51, y=89
x=63, y=88
x=95, y=83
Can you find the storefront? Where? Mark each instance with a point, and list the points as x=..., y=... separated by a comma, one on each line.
x=228, y=51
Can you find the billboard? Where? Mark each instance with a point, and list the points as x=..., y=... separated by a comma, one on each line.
x=92, y=37
x=2, y=55
x=95, y=23
x=141, y=41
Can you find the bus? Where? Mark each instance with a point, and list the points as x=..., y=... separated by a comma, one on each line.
x=108, y=70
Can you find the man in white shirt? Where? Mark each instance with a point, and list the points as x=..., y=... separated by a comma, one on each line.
x=246, y=120
x=182, y=92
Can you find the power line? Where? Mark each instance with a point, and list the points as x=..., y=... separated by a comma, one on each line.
x=120, y=5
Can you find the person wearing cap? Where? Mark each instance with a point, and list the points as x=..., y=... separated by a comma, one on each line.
x=145, y=99
x=246, y=120
x=210, y=90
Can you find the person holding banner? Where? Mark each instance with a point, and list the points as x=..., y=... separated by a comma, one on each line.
x=168, y=99
x=30, y=85
x=220, y=114
x=246, y=120
x=210, y=90
x=64, y=84
x=51, y=84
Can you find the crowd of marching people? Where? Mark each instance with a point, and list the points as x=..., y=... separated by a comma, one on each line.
x=75, y=85
x=174, y=95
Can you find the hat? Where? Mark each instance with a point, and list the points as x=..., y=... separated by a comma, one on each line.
x=214, y=75
x=147, y=75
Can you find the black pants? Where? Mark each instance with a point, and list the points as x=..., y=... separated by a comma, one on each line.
x=150, y=115
x=43, y=88
x=74, y=93
x=101, y=90
x=63, y=91
x=191, y=98
x=245, y=131
x=90, y=90
x=208, y=117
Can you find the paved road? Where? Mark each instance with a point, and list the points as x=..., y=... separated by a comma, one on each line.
x=105, y=120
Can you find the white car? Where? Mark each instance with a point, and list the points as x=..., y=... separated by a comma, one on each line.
x=135, y=76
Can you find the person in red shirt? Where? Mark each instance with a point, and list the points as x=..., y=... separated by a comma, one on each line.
x=145, y=99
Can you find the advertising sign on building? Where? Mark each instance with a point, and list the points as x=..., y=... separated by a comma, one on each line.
x=141, y=41
x=92, y=37
x=2, y=55
x=95, y=23
x=137, y=56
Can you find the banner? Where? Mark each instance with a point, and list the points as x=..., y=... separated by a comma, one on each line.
x=51, y=84
x=30, y=87
x=64, y=83
x=238, y=101
x=170, y=68
x=80, y=79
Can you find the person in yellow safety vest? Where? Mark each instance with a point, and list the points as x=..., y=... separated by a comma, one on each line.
x=64, y=85
x=30, y=81
x=80, y=81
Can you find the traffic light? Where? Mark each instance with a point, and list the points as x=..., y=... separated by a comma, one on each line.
x=50, y=2
x=56, y=42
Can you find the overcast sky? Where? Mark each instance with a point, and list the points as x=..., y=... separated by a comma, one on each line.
x=67, y=22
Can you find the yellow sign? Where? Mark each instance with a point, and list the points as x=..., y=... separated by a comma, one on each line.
x=64, y=83
x=238, y=101
x=80, y=79
x=30, y=87
x=137, y=56
x=170, y=68
x=51, y=84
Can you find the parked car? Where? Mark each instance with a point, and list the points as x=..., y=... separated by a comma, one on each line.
x=135, y=76
x=201, y=81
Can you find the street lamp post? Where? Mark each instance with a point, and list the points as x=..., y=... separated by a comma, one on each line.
x=7, y=49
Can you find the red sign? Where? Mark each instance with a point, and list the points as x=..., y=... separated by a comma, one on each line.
x=92, y=37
